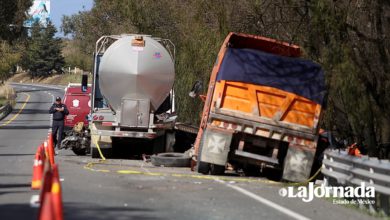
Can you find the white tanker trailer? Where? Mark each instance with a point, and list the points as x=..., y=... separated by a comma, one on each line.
x=132, y=96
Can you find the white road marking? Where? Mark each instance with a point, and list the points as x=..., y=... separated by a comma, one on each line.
x=264, y=201
x=34, y=201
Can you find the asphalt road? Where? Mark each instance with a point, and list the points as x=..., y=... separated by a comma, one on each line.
x=131, y=189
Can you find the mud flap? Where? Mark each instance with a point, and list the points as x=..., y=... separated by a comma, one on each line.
x=216, y=146
x=298, y=163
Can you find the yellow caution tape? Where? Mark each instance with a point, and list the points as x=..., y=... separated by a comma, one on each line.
x=100, y=152
x=89, y=166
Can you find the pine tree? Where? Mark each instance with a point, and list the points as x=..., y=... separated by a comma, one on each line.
x=12, y=16
x=43, y=55
x=12, y=34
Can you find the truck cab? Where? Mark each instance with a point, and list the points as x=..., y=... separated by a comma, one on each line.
x=78, y=103
x=77, y=134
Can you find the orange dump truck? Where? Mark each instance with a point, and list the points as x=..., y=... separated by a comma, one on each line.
x=262, y=109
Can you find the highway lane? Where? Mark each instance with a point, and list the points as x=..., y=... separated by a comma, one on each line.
x=138, y=190
x=18, y=141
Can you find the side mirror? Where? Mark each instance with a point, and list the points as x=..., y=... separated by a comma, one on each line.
x=84, y=82
x=196, y=89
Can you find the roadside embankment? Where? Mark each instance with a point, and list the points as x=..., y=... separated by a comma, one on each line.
x=7, y=100
x=57, y=79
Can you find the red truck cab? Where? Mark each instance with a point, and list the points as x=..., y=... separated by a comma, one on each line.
x=78, y=103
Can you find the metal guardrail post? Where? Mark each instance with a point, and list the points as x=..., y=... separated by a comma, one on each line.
x=341, y=169
x=384, y=204
x=5, y=110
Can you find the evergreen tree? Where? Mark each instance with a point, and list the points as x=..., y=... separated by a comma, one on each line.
x=350, y=39
x=43, y=55
x=12, y=16
x=12, y=34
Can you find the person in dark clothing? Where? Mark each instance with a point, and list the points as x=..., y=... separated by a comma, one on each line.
x=59, y=111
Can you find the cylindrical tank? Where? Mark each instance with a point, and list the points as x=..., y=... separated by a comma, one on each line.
x=136, y=67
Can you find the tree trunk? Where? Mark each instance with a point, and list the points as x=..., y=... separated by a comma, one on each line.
x=385, y=130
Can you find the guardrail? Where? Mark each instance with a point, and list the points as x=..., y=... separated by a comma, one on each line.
x=339, y=168
x=5, y=110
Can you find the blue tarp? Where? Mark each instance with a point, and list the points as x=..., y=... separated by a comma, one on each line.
x=302, y=77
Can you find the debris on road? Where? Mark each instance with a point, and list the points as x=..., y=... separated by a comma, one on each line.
x=171, y=160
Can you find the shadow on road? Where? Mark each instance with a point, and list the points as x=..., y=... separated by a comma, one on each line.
x=37, y=90
x=29, y=121
x=13, y=192
x=92, y=211
x=32, y=111
x=14, y=174
x=16, y=155
x=33, y=102
x=17, y=211
x=21, y=127
x=14, y=185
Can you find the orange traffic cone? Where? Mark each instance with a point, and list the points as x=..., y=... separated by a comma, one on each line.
x=46, y=189
x=46, y=148
x=50, y=148
x=49, y=152
x=56, y=194
x=41, y=150
x=36, y=182
x=46, y=211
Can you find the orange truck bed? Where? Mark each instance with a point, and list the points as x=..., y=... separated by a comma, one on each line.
x=266, y=105
x=247, y=123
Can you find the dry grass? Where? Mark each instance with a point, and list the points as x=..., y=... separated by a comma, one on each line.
x=2, y=101
x=62, y=79
x=7, y=94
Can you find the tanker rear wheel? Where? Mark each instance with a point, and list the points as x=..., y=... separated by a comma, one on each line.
x=79, y=151
x=106, y=152
x=216, y=169
x=94, y=152
x=203, y=167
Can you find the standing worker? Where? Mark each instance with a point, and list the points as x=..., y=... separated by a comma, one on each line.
x=353, y=150
x=59, y=111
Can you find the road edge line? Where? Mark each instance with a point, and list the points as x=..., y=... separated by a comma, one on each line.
x=264, y=201
x=20, y=110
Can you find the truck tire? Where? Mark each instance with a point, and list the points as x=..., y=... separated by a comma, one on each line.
x=171, y=160
x=251, y=170
x=107, y=152
x=94, y=152
x=274, y=174
x=203, y=167
x=159, y=145
x=216, y=169
x=79, y=151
